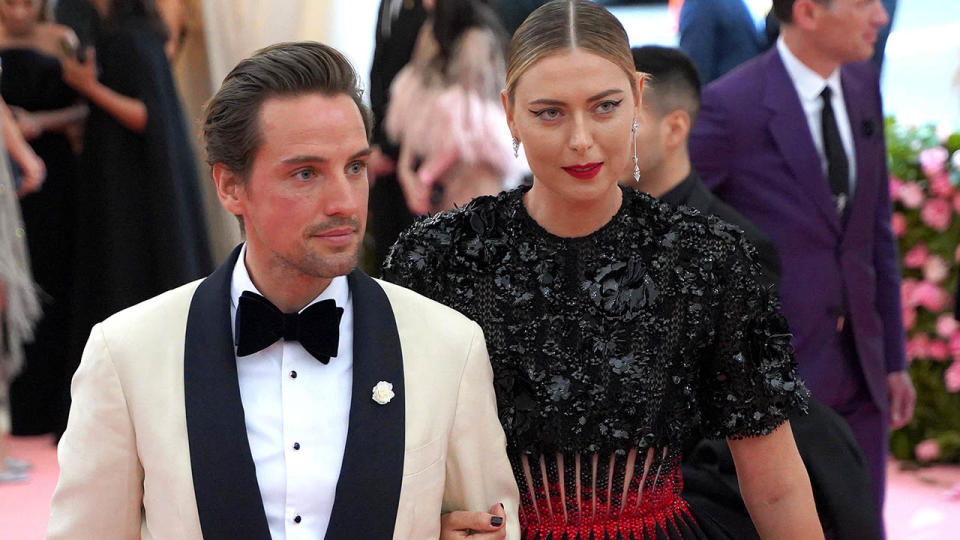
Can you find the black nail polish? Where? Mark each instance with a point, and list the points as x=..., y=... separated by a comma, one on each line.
x=496, y=521
x=502, y=507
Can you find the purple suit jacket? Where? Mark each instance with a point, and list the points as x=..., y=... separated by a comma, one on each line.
x=753, y=148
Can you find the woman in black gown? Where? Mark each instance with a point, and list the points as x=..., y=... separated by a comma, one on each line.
x=45, y=107
x=142, y=227
x=617, y=327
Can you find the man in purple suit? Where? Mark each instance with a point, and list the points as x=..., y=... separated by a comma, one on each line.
x=794, y=141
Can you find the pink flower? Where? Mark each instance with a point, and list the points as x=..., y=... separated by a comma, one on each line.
x=911, y=195
x=940, y=184
x=947, y=326
x=917, y=346
x=935, y=269
x=938, y=350
x=907, y=287
x=895, y=185
x=956, y=199
x=909, y=317
x=933, y=160
x=916, y=257
x=899, y=223
x=930, y=296
x=937, y=214
x=954, y=345
x=927, y=451
x=951, y=377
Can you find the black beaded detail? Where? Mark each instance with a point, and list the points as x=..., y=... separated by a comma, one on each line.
x=650, y=331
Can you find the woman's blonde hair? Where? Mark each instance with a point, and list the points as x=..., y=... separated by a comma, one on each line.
x=566, y=25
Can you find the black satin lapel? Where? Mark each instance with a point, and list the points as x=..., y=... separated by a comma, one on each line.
x=224, y=475
x=368, y=491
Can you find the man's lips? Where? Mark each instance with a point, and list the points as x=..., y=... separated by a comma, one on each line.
x=339, y=234
x=585, y=171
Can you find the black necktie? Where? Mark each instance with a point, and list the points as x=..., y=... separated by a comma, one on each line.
x=260, y=324
x=838, y=170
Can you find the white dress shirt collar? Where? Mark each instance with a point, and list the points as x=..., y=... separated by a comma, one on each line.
x=809, y=83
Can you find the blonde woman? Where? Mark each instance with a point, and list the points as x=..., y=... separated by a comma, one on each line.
x=617, y=327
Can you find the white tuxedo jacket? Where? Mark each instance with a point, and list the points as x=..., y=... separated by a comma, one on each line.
x=156, y=445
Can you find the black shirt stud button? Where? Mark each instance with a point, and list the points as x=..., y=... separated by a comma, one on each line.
x=293, y=374
x=296, y=519
x=296, y=446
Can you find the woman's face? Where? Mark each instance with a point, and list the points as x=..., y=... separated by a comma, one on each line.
x=19, y=16
x=573, y=112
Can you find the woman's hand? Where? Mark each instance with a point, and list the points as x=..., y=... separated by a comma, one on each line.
x=30, y=127
x=415, y=192
x=34, y=172
x=478, y=525
x=81, y=76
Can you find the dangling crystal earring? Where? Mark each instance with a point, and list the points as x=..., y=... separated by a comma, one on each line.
x=636, y=163
x=516, y=147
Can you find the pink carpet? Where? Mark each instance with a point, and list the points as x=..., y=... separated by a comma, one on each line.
x=918, y=506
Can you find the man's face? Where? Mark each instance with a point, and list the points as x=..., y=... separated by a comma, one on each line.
x=846, y=30
x=304, y=202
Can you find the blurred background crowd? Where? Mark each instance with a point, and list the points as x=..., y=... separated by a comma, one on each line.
x=105, y=199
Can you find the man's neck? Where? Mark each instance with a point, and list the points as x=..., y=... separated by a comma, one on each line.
x=807, y=53
x=659, y=181
x=282, y=284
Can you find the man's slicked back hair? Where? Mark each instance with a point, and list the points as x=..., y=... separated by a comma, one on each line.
x=672, y=79
x=231, y=122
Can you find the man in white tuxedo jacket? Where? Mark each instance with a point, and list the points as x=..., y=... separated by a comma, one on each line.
x=287, y=395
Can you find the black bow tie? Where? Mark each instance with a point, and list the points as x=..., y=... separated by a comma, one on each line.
x=260, y=324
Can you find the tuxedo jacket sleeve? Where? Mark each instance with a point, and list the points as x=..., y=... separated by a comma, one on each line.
x=100, y=490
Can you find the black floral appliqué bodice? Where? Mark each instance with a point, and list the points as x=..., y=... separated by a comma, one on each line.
x=609, y=351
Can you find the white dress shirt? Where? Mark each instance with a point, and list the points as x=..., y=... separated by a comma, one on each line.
x=296, y=411
x=809, y=84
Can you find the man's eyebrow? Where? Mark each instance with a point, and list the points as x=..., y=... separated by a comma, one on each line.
x=362, y=153
x=309, y=158
x=293, y=160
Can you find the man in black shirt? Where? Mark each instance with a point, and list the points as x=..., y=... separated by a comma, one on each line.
x=837, y=468
x=671, y=100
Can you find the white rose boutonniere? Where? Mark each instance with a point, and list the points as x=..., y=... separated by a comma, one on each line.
x=383, y=392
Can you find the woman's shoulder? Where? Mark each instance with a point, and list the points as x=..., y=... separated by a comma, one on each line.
x=479, y=218
x=468, y=230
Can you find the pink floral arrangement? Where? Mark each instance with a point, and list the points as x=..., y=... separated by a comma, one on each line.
x=925, y=189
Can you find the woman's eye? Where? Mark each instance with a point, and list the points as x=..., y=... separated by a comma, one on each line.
x=608, y=106
x=356, y=168
x=547, y=114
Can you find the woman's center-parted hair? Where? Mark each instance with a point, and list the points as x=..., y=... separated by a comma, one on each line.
x=231, y=122
x=565, y=25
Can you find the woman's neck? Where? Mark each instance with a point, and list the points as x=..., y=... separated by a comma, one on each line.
x=571, y=218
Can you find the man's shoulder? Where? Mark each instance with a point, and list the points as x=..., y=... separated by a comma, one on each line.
x=743, y=81
x=154, y=314
x=412, y=307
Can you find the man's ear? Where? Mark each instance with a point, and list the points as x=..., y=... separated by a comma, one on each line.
x=806, y=14
x=229, y=188
x=678, y=128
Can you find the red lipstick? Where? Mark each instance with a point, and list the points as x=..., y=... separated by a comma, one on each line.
x=583, y=172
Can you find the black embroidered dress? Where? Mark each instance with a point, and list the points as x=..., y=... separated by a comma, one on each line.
x=609, y=352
